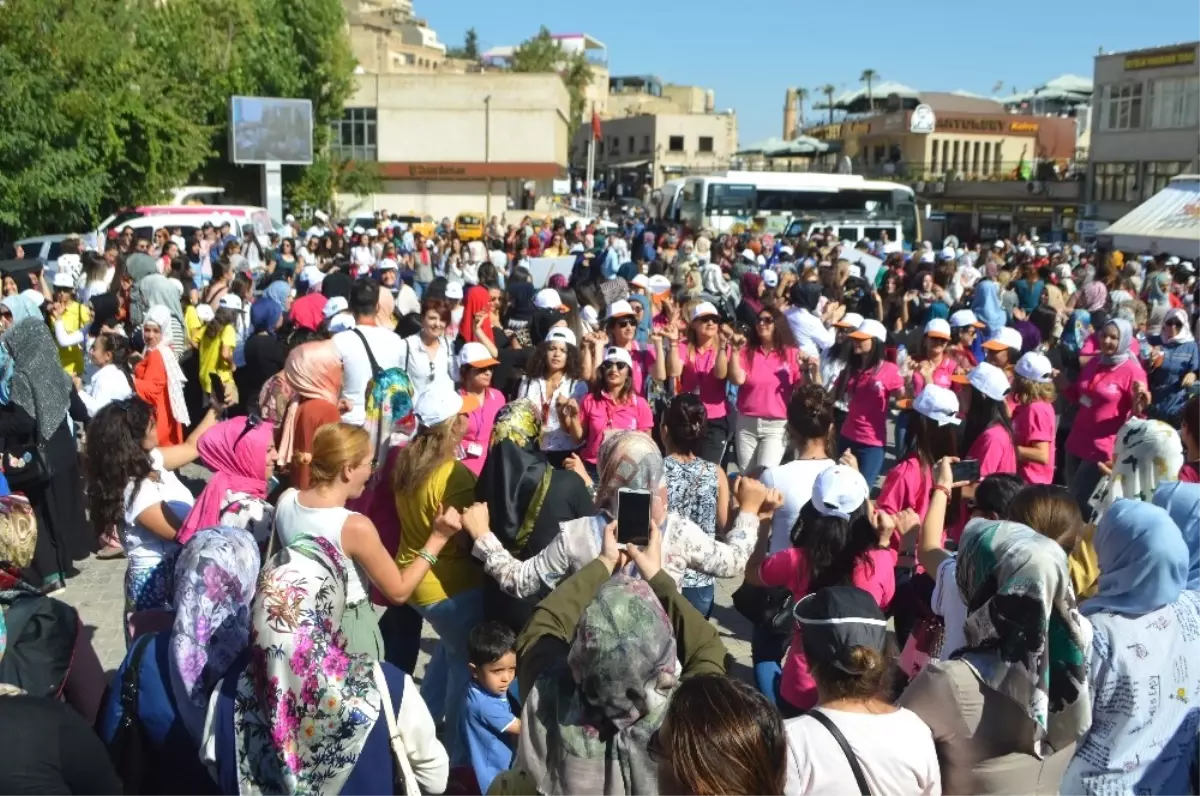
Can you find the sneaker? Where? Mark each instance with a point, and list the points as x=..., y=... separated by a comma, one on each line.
x=110, y=552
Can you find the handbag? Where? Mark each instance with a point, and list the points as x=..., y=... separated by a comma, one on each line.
x=406, y=779
x=26, y=466
x=859, y=777
x=762, y=605
x=18, y=530
x=924, y=644
x=129, y=748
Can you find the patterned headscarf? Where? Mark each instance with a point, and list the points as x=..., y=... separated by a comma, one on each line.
x=304, y=705
x=1023, y=629
x=1076, y=333
x=39, y=385
x=215, y=576
x=1146, y=453
x=515, y=479
x=161, y=317
x=1143, y=560
x=627, y=460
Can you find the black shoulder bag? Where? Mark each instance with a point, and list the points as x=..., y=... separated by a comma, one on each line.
x=129, y=749
x=851, y=758
x=37, y=469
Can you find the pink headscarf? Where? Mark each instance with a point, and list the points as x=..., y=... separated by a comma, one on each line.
x=385, y=316
x=312, y=370
x=237, y=455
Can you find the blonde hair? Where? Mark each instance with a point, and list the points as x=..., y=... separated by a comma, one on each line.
x=426, y=452
x=335, y=447
x=1027, y=391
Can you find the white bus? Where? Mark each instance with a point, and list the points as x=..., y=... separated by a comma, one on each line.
x=793, y=202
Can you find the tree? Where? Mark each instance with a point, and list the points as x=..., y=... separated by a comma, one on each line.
x=470, y=49
x=828, y=90
x=330, y=176
x=543, y=53
x=801, y=98
x=869, y=76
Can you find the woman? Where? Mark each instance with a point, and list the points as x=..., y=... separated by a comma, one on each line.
x=1143, y=620
x=931, y=436
x=867, y=385
x=1182, y=501
x=1007, y=710
x=1029, y=287
x=241, y=455
x=285, y=258
x=265, y=353
x=428, y=479
x=611, y=405
x=476, y=326
x=34, y=426
x=719, y=735
x=1173, y=368
x=701, y=365
x=1110, y=389
x=157, y=291
x=1034, y=419
x=752, y=295
x=589, y=727
x=553, y=376
x=837, y=542
x=765, y=369
x=1092, y=293
x=986, y=303
x=335, y=736
x=428, y=357
x=931, y=365
x=987, y=430
x=476, y=366
x=313, y=372
x=846, y=646
x=1158, y=300
x=527, y=502
x=158, y=379
x=646, y=362
x=697, y=488
x=837, y=357
x=218, y=343
x=964, y=329
x=175, y=671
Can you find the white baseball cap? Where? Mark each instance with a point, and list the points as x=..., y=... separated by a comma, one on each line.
x=205, y=312
x=868, y=329
x=851, y=320
x=342, y=322
x=440, y=402
x=476, y=356
x=229, y=301
x=1187, y=266
x=939, y=328
x=989, y=380
x=839, y=491
x=561, y=334
x=770, y=278
x=998, y=244
x=1007, y=337
x=63, y=279
x=388, y=264
x=454, y=291
x=1172, y=260
x=965, y=318
x=548, y=299
x=1035, y=367
x=748, y=254
x=641, y=280
x=335, y=305
x=854, y=271
x=312, y=275
x=358, y=230
x=705, y=309
x=619, y=309
x=938, y=404
x=617, y=354
x=289, y=218
x=658, y=284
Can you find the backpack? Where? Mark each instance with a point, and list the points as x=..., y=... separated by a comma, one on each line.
x=389, y=406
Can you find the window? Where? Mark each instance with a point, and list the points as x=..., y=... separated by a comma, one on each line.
x=954, y=161
x=880, y=154
x=706, y=143
x=353, y=136
x=1121, y=107
x=997, y=163
x=645, y=144
x=933, y=157
x=615, y=146
x=987, y=157
x=1115, y=182
x=1175, y=102
x=675, y=143
x=1158, y=174
x=631, y=145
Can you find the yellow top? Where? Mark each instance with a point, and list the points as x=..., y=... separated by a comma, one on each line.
x=1084, y=565
x=195, y=326
x=74, y=317
x=450, y=485
x=211, y=360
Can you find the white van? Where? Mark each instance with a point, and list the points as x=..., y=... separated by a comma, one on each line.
x=188, y=218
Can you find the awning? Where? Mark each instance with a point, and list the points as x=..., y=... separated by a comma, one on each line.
x=1168, y=222
x=633, y=164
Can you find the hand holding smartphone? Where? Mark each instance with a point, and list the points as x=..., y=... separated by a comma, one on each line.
x=965, y=470
x=633, y=516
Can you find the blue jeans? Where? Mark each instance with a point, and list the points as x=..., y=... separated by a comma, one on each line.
x=419, y=288
x=870, y=458
x=767, y=648
x=701, y=598
x=901, y=434
x=446, y=676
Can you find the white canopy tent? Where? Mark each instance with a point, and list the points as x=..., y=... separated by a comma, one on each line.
x=1167, y=223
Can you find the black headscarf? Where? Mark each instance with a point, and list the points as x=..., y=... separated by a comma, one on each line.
x=520, y=301
x=336, y=284
x=104, y=311
x=23, y=279
x=542, y=322
x=806, y=295
x=515, y=480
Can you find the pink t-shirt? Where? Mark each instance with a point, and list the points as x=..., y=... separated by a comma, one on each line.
x=479, y=430
x=603, y=414
x=698, y=378
x=789, y=568
x=770, y=380
x=644, y=357
x=907, y=486
x=866, y=420
x=1105, y=397
x=941, y=375
x=1091, y=346
x=1035, y=423
x=995, y=452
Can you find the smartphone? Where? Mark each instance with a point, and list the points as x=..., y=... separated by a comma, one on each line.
x=217, y=387
x=965, y=470
x=633, y=516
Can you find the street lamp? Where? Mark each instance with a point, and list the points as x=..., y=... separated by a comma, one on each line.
x=487, y=147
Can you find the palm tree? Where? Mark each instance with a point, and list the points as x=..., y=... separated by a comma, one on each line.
x=869, y=76
x=801, y=98
x=828, y=90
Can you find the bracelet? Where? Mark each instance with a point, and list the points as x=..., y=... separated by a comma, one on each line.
x=945, y=490
x=428, y=556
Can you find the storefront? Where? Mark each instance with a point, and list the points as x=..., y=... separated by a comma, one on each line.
x=988, y=221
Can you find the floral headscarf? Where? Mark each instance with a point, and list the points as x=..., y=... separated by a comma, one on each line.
x=304, y=706
x=215, y=576
x=1023, y=629
x=1076, y=333
x=627, y=460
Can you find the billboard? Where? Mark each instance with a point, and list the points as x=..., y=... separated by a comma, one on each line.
x=270, y=130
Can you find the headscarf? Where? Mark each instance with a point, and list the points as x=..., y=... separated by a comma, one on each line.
x=558, y=281
x=38, y=383
x=646, y=322
x=304, y=706
x=627, y=460
x=20, y=307
x=215, y=576
x=278, y=291
x=1023, y=629
x=160, y=316
x=475, y=301
x=1159, y=289
x=987, y=305
x=1182, y=502
x=750, y=282
x=1143, y=560
x=1093, y=294
x=157, y=290
x=1184, y=335
x=520, y=301
x=628, y=270
x=104, y=311
x=1147, y=453
x=385, y=317
x=1125, y=328
x=808, y=294
x=1076, y=333
x=308, y=311
x=515, y=479
x=313, y=370
x=589, y=723
x=265, y=315
x=336, y=284
x=236, y=452
x=139, y=266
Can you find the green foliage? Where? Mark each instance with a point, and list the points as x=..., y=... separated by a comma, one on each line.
x=328, y=176
x=543, y=53
x=470, y=49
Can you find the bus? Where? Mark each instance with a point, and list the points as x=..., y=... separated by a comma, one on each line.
x=791, y=203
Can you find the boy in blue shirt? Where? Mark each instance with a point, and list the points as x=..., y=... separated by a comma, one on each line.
x=487, y=728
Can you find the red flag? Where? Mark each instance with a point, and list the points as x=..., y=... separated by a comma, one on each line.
x=595, y=125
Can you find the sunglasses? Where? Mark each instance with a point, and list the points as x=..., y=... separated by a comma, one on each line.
x=707, y=319
x=609, y=364
x=765, y=321
x=624, y=322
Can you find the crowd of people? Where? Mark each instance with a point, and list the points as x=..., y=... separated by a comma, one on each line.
x=959, y=485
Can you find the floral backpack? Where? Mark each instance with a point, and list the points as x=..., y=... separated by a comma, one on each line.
x=389, y=406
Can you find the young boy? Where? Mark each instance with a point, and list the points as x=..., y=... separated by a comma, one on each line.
x=487, y=728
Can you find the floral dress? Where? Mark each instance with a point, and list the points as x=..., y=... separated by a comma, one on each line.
x=692, y=493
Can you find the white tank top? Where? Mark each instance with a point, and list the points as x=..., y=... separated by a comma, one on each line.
x=293, y=521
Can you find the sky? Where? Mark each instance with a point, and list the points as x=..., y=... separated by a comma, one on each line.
x=749, y=54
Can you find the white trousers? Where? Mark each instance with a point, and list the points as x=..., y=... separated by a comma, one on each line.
x=760, y=442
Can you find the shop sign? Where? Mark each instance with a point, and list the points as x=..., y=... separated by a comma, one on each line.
x=994, y=208
x=970, y=125
x=1035, y=210
x=1023, y=127
x=435, y=170
x=954, y=208
x=922, y=121
x=1154, y=59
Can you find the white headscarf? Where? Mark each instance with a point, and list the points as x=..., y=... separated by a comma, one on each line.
x=161, y=317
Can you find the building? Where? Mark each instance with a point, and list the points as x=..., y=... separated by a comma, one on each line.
x=596, y=94
x=447, y=143
x=1146, y=126
x=641, y=94
x=386, y=38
